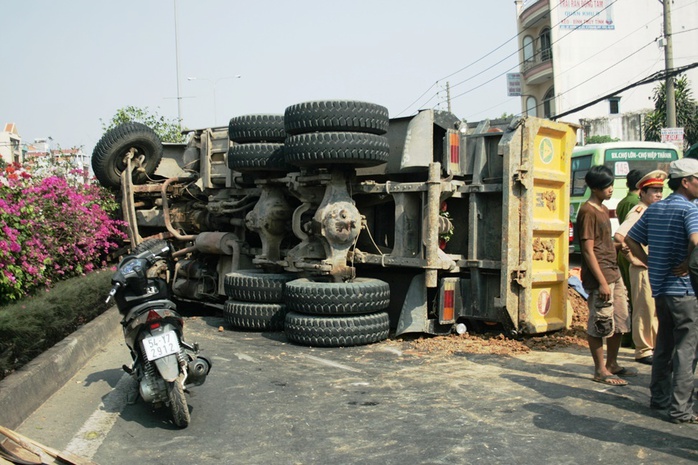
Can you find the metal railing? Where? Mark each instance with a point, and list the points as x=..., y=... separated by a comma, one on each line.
x=541, y=56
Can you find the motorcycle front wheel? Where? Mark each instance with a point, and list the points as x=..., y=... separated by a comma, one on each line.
x=178, y=404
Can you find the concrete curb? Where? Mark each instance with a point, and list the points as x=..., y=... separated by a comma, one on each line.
x=29, y=387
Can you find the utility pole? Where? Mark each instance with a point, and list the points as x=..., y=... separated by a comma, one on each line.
x=669, y=65
x=179, y=97
x=448, y=95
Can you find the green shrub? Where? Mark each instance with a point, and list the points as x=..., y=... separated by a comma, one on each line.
x=34, y=324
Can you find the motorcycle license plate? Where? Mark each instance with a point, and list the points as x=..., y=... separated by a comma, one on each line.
x=161, y=345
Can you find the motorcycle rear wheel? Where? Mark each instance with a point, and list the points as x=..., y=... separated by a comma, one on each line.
x=178, y=404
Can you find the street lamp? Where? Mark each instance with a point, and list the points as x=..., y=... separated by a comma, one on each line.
x=214, y=82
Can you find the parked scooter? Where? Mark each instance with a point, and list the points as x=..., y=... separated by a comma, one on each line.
x=164, y=365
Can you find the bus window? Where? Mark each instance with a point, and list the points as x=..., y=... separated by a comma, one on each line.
x=580, y=166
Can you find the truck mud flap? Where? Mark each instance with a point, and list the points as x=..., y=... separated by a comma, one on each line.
x=413, y=316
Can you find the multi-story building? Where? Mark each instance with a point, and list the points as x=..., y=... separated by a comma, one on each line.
x=11, y=145
x=41, y=148
x=573, y=52
x=74, y=156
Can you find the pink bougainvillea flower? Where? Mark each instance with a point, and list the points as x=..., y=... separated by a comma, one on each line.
x=51, y=228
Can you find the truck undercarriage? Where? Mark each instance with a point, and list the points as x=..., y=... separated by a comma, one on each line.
x=338, y=224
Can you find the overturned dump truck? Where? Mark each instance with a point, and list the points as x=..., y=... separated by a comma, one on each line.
x=338, y=225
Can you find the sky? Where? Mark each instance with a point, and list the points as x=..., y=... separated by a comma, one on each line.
x=70, y=65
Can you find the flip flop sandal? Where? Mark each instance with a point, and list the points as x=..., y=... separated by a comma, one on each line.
x=626, y=372
x=611, y=380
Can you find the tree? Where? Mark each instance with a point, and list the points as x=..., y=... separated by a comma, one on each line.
x=167, y=130
x=600, y=139
x=686, y=112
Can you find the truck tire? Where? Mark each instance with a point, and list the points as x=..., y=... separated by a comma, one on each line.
x=336, y=331
x=108, y=156
x=256, y=286
x=345, y=148
x=362, y=296
x=336, y=115
x=154, y=245
x=257, y=157
x=257, y=128
x=254, y=316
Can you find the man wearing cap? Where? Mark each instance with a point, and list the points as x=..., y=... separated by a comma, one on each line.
x=670, y=229
x=644, y=317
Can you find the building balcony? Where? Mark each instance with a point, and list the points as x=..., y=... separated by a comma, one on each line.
x=534, y=12
x=539, y=68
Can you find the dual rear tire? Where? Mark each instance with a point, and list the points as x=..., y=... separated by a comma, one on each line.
x=258, y=144
x=344, y=132
x=336, y=331
x=337, y=314
x=256, y=300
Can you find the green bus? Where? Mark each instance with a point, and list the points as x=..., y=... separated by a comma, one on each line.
x=620, y=157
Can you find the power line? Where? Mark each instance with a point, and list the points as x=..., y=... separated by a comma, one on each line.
x=418, y=98
x=602, y=72
x=623, y=38
x=606, y=69
x=605, y=49
x=475, y=62
x=458, y=71
x=520, y=48
x=658, y=76
x=596, y=75
x=596, y=55
x=685, y=30
x=652, y=78
x=551, y=44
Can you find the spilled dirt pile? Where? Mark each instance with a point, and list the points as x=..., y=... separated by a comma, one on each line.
x=499, y=344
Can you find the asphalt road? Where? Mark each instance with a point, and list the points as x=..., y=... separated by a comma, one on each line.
x=270, y=402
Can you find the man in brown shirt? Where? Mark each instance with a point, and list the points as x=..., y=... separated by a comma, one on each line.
x=608, y=307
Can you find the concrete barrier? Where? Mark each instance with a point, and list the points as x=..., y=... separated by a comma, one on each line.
x=25, y=390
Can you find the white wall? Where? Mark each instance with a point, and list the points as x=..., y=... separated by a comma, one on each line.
x=6, y=149
x=584, y=58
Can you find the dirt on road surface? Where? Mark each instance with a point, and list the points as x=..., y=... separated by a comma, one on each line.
x=497, y=344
